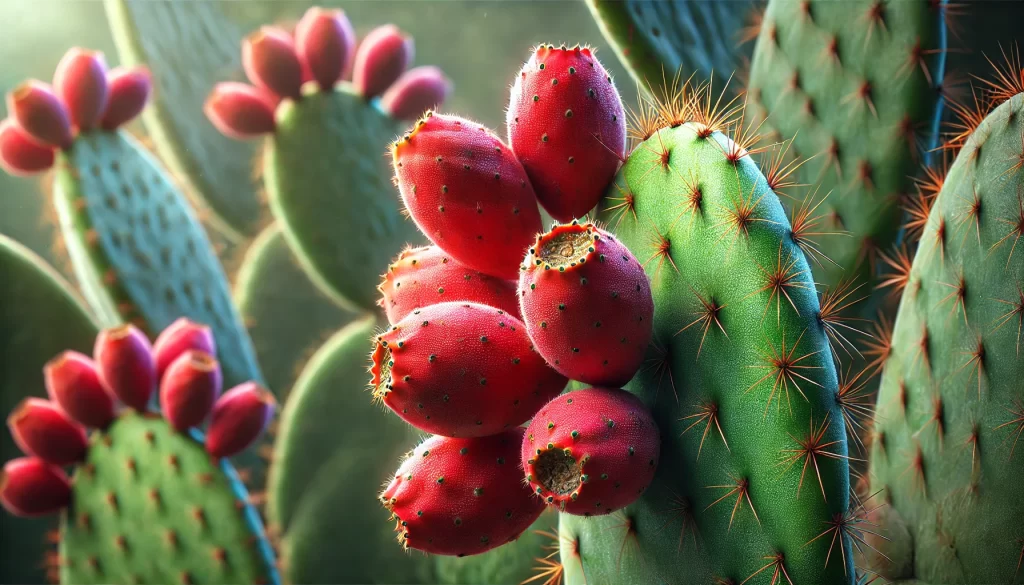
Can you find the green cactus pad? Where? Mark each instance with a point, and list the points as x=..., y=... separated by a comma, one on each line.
x=149, y=506
x=329, y=184
x=508, y=564
x=853, y=83
x=39, y=318
x=739, y=378
x=189, y=47
x=657, y=39
x=333, y=449
x=287, y=317
x=138, y=250
x=951, y=405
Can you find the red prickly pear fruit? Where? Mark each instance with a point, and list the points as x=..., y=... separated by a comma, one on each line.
x=29, y=487
x=567, y=126
x=240, y=111
x=74, y=384
x=19, y=154
x=461, y=496
x=128, y=91
x=416, y=91
x=124, y=359
x=467, y=193
x=271, y=62
x=326, y=44
x=80, y=81
x=239, y=418
x=587, y=304
x=382, y=57
x=461, y=370
x=178, y=338
x=425, y=276
x=42, y=430
x=592, y=451
x=40, y=114
x=189, y=389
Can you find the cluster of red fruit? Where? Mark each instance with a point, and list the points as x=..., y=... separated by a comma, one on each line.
x=85, y=392
x=490, y=323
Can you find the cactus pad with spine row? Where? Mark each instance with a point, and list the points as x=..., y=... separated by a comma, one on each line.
x=739, y=376
x=39, y=317
x=856, y=85
x=325, y=174
x=189, y=46
x=286, y=315
x=947, y=455
x=657, y=39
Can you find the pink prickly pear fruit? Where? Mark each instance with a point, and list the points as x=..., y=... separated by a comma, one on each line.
x=567, y=126
x=178, y=338
x=19, y=154
x=461, y=496
x=461, y=370
x=40, y=114
x=74, y=384
x=467, y=193
x=189, y=389
x=416, y=91
x=128, y=91
x=124, y=359
x=592, y=451
x=29, y=487
x=239, y=418
x=382, y=57
x=425, y=276
x=80, y=81
x=587, y=304
x=240, y=111
x=326, y=44
x=42, y=430
x=271, y=62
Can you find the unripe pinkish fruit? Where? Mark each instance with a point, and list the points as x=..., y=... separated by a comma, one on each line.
x=179, y=337
x=416, y=91
x=74, y=384
x=19, y=154
x=189, y=389
x=240, y=111
x=29, y=487
x=239, y=417
x=127, y=92
x=124, y=359
x=271, y=62
x=326, y=44
x=40, y=114
x=382, y=57
x=80, y=81
x=42, y=430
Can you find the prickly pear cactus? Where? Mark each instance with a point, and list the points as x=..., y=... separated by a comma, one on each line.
x=857, y=84
x=658, y=39
x=946, y=454
x=217, y=170
x=39, y=317
x=753, y=481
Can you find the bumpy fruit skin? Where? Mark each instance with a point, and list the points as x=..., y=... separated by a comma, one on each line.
x=591, y=451
x=30, y=487
x=948, y=453
x=566, y=125
x=467, y=192
x=461, y=496
x=74, y=384
x=461, y=370
x=428, y=275
x=587, y=305
x=127, y=369
x=42, y=430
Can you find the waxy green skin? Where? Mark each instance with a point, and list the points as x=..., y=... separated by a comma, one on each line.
x=676, y=533
x=141, y=483
x=960, y=505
